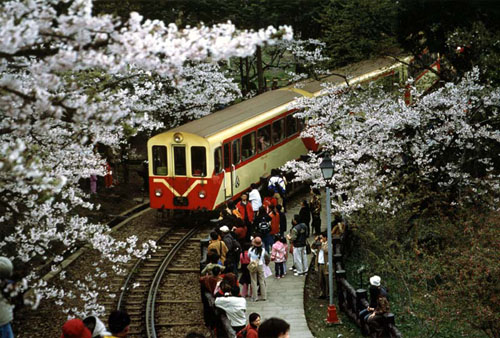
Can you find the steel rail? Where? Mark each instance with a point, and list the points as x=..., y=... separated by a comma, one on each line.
x=133, y=271
x=151, y=301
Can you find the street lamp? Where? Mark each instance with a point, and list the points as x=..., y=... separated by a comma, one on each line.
x=327, y=167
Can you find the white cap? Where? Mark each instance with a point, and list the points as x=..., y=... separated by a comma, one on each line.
x=375, y=280
x=224, y=228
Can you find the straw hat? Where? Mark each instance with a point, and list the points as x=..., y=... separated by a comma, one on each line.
x=257, y=241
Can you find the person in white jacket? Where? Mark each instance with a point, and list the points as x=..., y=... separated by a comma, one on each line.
x=235, y=308
x=254, y=198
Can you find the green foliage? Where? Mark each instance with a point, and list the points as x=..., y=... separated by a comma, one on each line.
x=464, y=33
x=244, y=14
x=357, y=29
x=439, y=263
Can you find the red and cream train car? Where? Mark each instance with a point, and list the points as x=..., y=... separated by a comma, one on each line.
x=206, y=162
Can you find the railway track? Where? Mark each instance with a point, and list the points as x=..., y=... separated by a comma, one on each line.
x=161, y=294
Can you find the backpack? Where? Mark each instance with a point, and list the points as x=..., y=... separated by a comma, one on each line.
x=264, y=227
x=236, y=250
x=278, y=188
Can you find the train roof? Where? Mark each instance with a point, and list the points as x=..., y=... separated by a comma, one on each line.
x=248, y=109
x=235, y=114
x=350, y=71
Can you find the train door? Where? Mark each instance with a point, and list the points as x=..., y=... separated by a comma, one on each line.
x=235, y=159
x=228, y=174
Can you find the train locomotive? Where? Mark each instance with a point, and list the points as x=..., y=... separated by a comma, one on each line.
x=206, y=162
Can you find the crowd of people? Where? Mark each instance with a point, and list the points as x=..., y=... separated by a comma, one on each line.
x=253, y=233
x=249, y=236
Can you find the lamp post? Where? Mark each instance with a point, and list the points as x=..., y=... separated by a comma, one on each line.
x=327, y=167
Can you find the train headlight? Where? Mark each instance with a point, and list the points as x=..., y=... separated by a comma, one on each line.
x=158, y=192
x=178, y=137
x=202, y=194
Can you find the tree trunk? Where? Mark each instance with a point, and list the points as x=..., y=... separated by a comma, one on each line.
x=247, y=75
x=124, y=164
x=243, y=80
x=260, y=72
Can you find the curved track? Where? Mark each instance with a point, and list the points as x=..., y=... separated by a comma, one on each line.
x=161, y=293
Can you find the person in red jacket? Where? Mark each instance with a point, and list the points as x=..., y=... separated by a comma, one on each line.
x=268, y=201
x=251, y=329
x=275, y=220
x=245, y=208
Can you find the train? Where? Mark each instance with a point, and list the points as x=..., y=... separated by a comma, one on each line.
x=204, y=163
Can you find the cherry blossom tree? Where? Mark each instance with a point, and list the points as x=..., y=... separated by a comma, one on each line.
x=69, y=81
x=420, y=185
x=382, y=148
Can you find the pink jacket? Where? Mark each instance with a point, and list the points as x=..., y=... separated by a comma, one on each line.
x=278, y=252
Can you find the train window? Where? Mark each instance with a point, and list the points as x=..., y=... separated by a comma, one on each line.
x=278, y=131
x=227, y=156
x=236, y=151
x=291, y=125
x=264, y=138
x=159, y=160
x=180, y=160
x=198, y=161
x=218, y=160
x=247, y=146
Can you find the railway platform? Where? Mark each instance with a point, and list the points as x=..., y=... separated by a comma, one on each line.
x=285, y=296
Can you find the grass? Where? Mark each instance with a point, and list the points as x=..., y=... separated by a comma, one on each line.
x=316, y=313
x=406, y=321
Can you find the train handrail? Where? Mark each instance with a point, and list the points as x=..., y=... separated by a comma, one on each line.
x=233, y=173
x=224, y=182
x=155, y=285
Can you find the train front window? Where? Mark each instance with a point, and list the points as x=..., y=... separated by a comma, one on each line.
x=218, y=160
x=180, y=160
x=291, y=125
x=248, y=146
x=159, y=160
x=198, y=161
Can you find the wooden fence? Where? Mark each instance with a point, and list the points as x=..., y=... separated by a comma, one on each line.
x=352, y=301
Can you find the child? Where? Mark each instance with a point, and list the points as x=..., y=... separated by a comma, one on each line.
x=279, y=256
x=245, y=274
